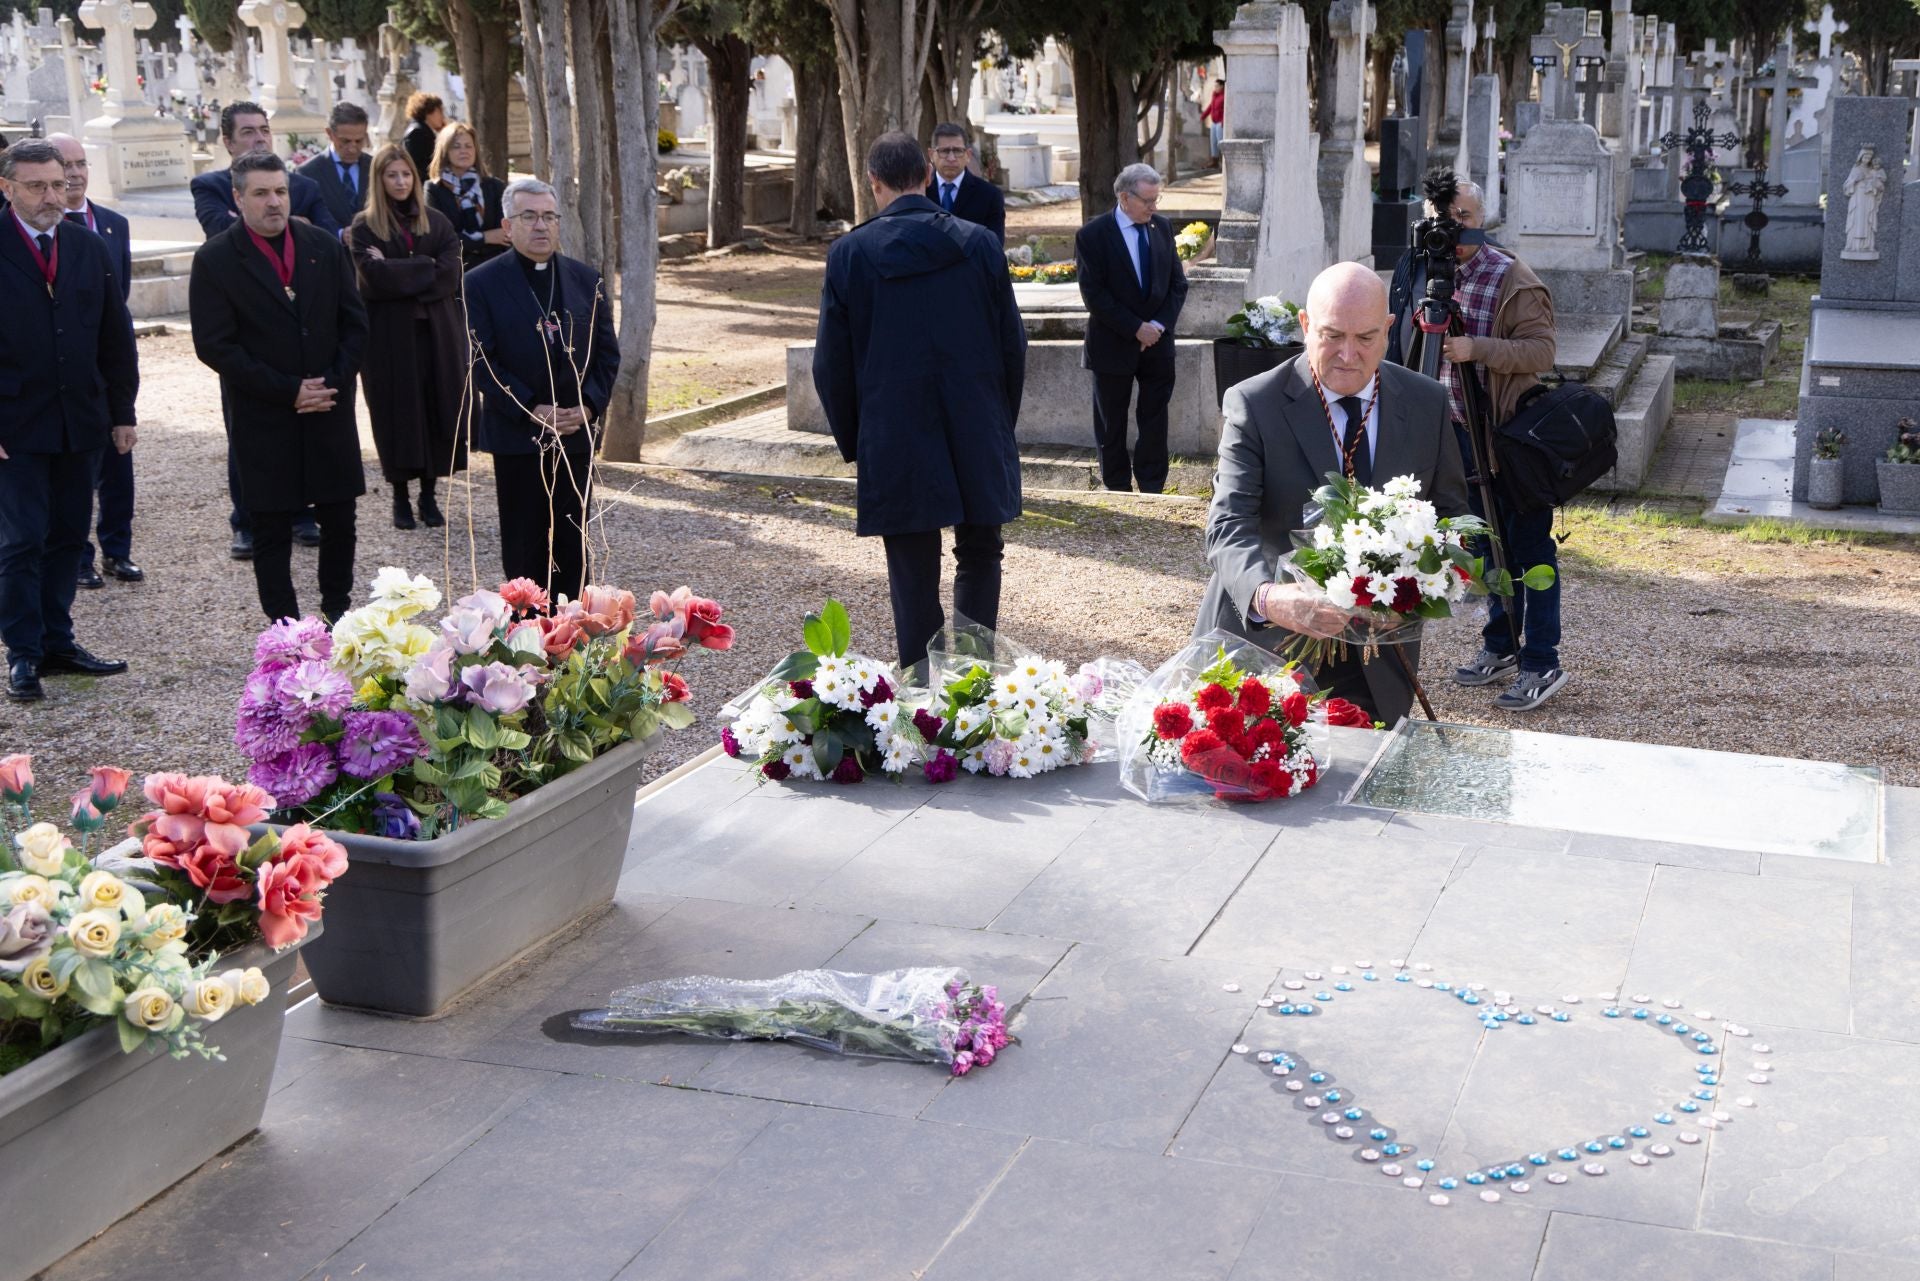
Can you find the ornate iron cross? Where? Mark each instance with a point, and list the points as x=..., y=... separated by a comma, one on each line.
x=1696, y=187
x=1761, y=191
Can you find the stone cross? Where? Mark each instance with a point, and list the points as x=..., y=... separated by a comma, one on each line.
x=186, y=71
x=355, y=58
x=1827, y=29
x=1777, y=85
x=1621, y=85
x=274, y=19
x=80, y=104
x=1451, y=149
x=1566, y=35
x=1488, y=30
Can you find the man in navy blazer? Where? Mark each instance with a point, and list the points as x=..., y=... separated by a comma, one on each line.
x=115, y=527
x=960, y=192
x=1133, y=285
x=545, y=355
x=341, y=171
x=68, y=376
x=244, y=127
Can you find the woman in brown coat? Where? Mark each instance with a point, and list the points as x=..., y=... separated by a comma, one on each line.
x=408, y=260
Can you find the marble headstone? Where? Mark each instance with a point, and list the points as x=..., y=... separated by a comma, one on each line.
x=1859, y=123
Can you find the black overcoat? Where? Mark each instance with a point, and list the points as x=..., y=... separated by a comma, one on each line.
x=920, y=361
x=514, y=369
x=68, y=369
x=416, y=364
x=263, y=344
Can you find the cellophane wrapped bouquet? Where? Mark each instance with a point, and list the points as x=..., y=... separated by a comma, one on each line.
x=1223, y=719
x=922, y=1015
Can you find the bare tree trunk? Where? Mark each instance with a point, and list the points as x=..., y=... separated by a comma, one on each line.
x=590, y=128
x=609, y=187
x=810, y=101
x=1108, y=127
x=836, y=179
x=560, y=127
x=490, y=112
x=636, y=74
x=531, y=62
x=1380, y=69
x=950, y=61
x=882, y=48
x=730, y=72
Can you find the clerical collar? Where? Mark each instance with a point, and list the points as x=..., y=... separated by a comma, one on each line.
x=528, y=264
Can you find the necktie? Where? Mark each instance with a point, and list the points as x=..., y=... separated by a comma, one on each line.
x=45, y=242
x=1146, y=259
x=946, y=196
x=1356, y=459
x=348, y=176
x=73, y=215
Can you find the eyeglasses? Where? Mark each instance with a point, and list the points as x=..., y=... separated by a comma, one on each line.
x=950, y=153
x=1154, y=203
x=537, y=219
x=40, y=188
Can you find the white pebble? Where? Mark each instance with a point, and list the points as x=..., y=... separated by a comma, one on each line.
x=1758, y=1078
x=1744, y=1101
x=1687, y=1136
x=1762, y=1067
x=1229, y=987
x=1241, y=1049
x=1763, y=1049
x=1521, y=1188
x=1593, y=1168
x=1489, y=1196
x=1291, y=1085
x=1556, y=1177
x=1413, y=1181
x=1391, y=1169
x=1439, y=1198
x=1570, y=999
x=1422, y=966
x=1640, y=1158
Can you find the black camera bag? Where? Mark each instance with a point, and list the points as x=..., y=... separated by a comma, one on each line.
x=1559, y=441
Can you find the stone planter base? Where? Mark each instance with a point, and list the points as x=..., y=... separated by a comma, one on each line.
x=1825, y=483
x=1235, y=362
x=89, y=1134
x=413, y=924
x=1899, y=488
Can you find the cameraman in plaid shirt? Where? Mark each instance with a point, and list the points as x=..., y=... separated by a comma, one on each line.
x=1508, y=315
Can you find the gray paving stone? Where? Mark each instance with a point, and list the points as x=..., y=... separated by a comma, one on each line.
x=1399, y=1052
x=1554, y=1086
x=298, y=1057
x=573, y=1184
x=1328, y=1230
x=1536, y=923
x=1886, y=962
x=1900, y=831
x=682, y=806
x=772, y=845
x=1147, y=879
x=1012, y=963
x=1630, y=849
x=1827, y=1160
x=1315, y=902
x=820, y=1195
x=1585, y=1249
x=1067, y=1210
x=1757, y=948
x=959, y=860
x=336, y=1149
x=1854, y=1267
x=726, y=940
x=1839, y=870
x=1472, y=832
x=1114, y=1049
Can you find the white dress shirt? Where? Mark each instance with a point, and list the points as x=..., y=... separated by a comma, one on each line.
x=1369, y=397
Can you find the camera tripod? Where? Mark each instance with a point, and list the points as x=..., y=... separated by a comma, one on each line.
x=1437, y=318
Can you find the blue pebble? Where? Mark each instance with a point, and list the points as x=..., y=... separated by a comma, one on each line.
x=1403, y=978
x=1343, y=987
x=1703, y=1094
x=1705, y=1049
x=1500, y=1016
x=1370, y=976
x=1567, y=1154
x=1526, y=1020
x=1639, y=1014
x=1376, y=1135
x=1703, y=1068
x=1283, y=1009
x=1443, y=987
x=1323, y=996
x=1424, y=1164
x=1318, y=1078
x=1306, y=1007
x=1353, y=1114
x=1616, y=1142
x=1638, y=1131
x=1612, y=1012
x=1689, y=1106
x=1393, y=1149
x=1681, y=1029
x=1594, y=1145
x=1516, y=1170
x=1702, y=1037
x=1449, y=1183
x=1709, y=1079
x=1498, y=1176
x=1334, y=1096
x=1470, y=998
x=1663, y=1118
x=1664, y=1020
x=1476, y=1178
x=1561, y=1016
x=1537, y=1158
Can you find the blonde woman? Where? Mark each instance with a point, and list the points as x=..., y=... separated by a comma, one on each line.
x=466, y=196
x=408, y=260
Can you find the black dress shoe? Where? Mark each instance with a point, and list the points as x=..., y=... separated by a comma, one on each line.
x=402, y=512
x=90, y=577
x=242, y=548
x=80, y=662
x=125, y=570
x=307, y=534
x=430, y=515
x=23, y=682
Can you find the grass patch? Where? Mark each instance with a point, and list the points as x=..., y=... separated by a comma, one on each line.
x=1653, y=539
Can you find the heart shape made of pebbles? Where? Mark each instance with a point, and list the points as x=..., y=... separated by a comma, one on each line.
x=1641, y=1141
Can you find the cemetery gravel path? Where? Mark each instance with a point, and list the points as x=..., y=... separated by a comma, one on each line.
x=1700, y=639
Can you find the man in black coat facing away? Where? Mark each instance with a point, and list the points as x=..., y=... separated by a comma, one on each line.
x=115, y=527
x=920, y=362
x=277, y=316
x=1132, y=283
x=961, y=192
x=545, y=356
x=341, y=170
x=68, y=377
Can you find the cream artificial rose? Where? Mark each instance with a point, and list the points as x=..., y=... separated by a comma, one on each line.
x=404, y=594
x=38, y=980
x=249, y=986
x=109, y=893
x=94, y=933
x=165, y=923
x=42, y=849
x=209, y=999
x=151, y=1008
x=27, y=889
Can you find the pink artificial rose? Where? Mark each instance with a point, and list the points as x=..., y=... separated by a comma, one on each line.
x=431, y=678
x=327, y=857
x=658, y=644
x=704, y=627
x=26, y=933
x=109, y=786
x=607, y=609
x=16, y=777
x=285, y=907
x=215, y=871
x=231, y=809
x=525, y=595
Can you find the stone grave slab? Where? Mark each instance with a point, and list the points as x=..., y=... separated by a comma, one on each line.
x=1869, y=270
x=1581, y=341
x=1581, y=1249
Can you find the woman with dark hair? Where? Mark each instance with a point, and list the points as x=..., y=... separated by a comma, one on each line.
x=426, y=117
x=408, y=260
x=463, y=193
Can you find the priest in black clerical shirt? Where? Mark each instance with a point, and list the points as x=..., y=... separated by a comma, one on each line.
x=276, y=313
x=545, y=357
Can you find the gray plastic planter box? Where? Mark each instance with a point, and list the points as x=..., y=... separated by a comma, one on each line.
x=413, y=924
x=88, y=1134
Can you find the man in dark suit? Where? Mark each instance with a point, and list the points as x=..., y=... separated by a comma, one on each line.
x=276, y=314
x=545, y=356
x=115, y=526
x=958, y=190
x=68, y=377
x=1134, y=287
x=245, y=129
x=926, y=410
x=1334, y=408
x=341, y=173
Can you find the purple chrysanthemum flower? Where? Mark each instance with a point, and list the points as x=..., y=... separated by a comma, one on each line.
x=943, y=768
x=728, y=743
x=394, y=818
x=298, y=776
x=264, y=728
x=292, y=640
x=377, y=743
x=313, y=685
x=928, y=724
x=848, y=770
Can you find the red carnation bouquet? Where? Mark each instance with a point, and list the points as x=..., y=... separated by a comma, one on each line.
x=1223, y=718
